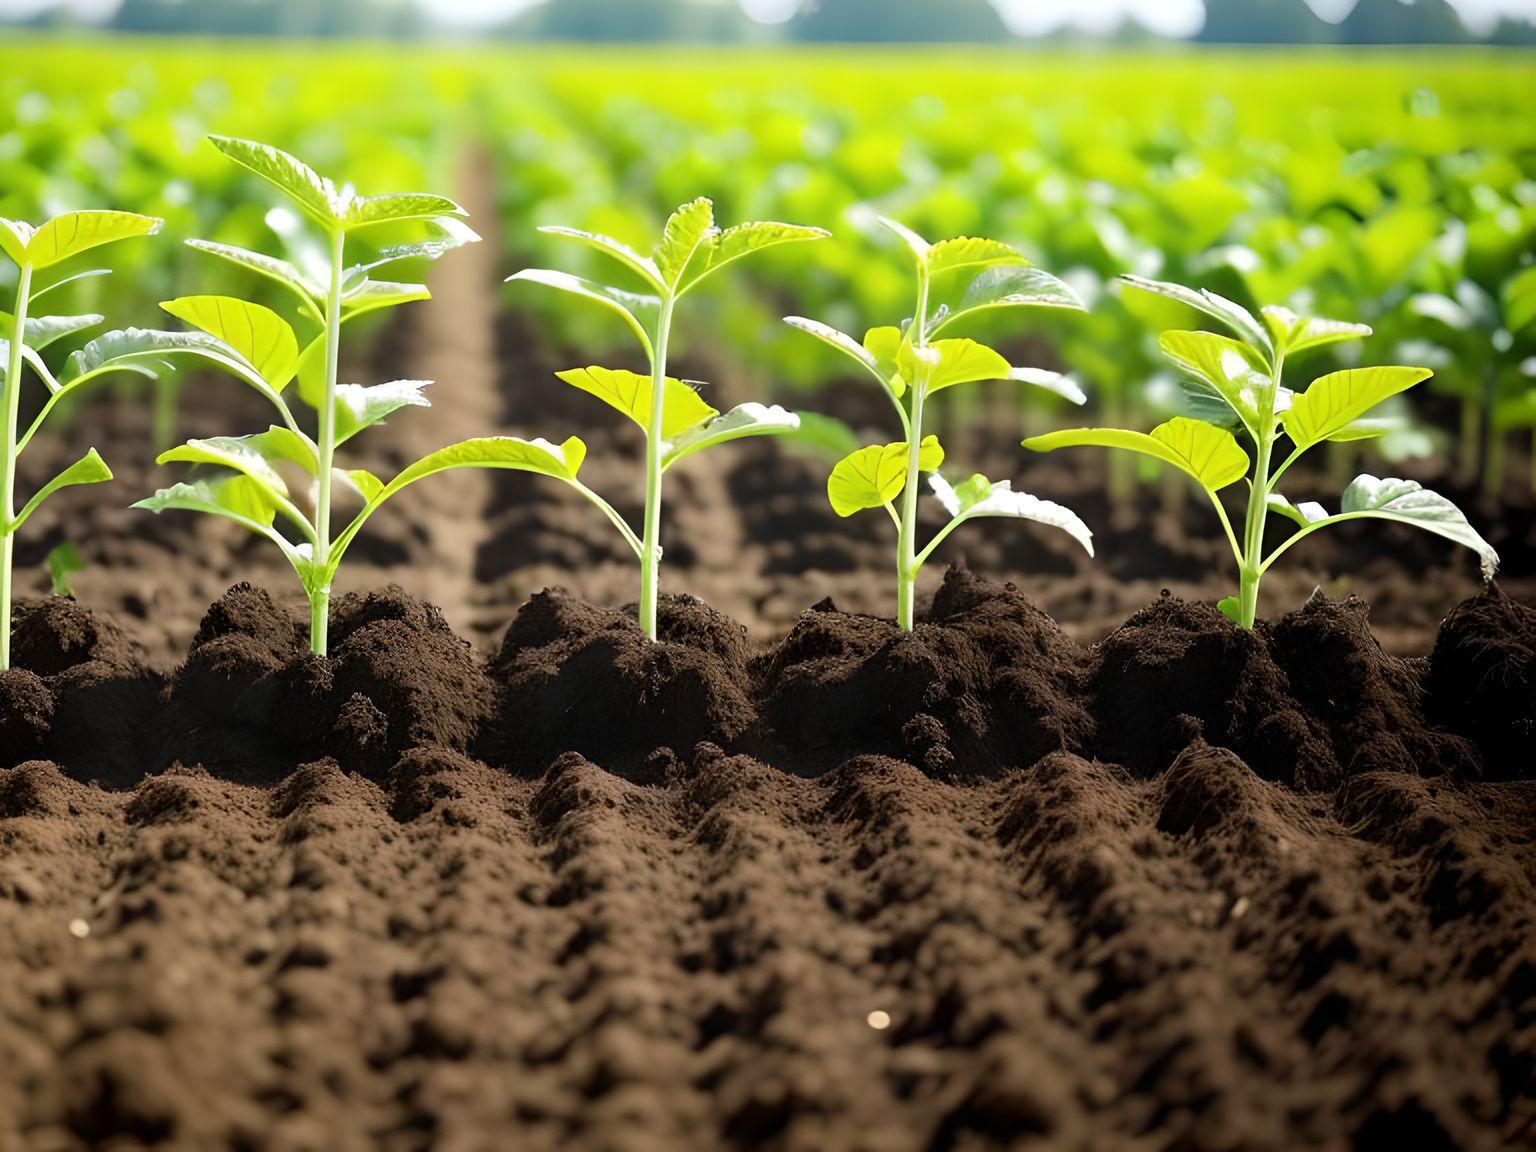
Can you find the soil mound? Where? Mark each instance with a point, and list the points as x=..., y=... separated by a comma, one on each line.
x=1482, y=680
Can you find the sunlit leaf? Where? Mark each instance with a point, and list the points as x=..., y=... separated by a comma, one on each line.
x=262, y=337
x=359, y=407
x=1233, y=315
x=642, y=266
x=687, y=230
x=1407, y=502
x=1295, y=334
x=365, y=211
x=302, y=184
x=89, y=469
x=278, y=271
x=1210, y=454
x=631, y=393
x=638, y=310
x=1335, y=401
x=750, y=419
x=1063, y=386
x=724, y=246
x=971, y=252
x=978, y=496
x=75, y=232
x=45, y=330
x=877, y=474
x=1010, y=286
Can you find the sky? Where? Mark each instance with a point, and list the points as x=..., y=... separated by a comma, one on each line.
x=1171, y=17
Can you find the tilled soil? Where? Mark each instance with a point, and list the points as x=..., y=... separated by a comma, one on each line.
x=975, y=887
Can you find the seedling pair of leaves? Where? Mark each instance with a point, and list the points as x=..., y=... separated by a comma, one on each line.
x=957, y=280
x=1235, y=387
x=242, y=478
x=676, y=420
x=24, y=338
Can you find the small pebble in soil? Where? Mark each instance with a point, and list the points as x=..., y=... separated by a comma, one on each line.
x=79, y=929
x=878, y=1020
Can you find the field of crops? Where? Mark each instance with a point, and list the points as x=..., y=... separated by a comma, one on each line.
x=519, y=829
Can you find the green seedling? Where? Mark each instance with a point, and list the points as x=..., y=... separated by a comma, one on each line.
x=1235, y=383
x=25, y=338
x=63, y=561
x=956, y=280
x=676, y=420
x=241, y=478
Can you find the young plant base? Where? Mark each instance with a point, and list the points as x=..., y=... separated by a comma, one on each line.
x=1236, y=383
x=956, y=279
x=675, y=420
x=23, y=339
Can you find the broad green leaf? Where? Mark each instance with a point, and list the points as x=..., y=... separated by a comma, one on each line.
x=1232, y=314
x=979, y=496
x=15, y=235
x=75, y=232
x=449, y=235
x=877, y=474
x=918, y=246
x=750, y=419
x=258, y=334
x=724, y=246
x=248, y=455
x=63, y=561
x=45, y=330
x=1010, y=286
x=279, y=271
x=1229, y=368
x=365, y=211
x=359, y=407
x=368, y=485
x=843, y=342
x=371, y=295
x=89, y=469
x=1307, y=512
x=971, y=252
x=1064, y=386
x=961, y=361
x=1333, y=402
x=1210, y=454
x=1232, y=608
x=145, y=350
x=687, y=230
x=302, y=184
x=1407, y=502
x=1295, y=334
x=641, y=266
x=630, y=393
x=884, y=344
x=236, y=497
x=30, y=355
x=638, y=310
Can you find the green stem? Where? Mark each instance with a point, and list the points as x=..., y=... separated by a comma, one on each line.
x=907, y=564
x=8, y=474
x=1250, y=566
x=320, y=595
x=650, y=549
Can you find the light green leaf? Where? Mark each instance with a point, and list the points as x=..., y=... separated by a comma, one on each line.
x=971, y=252
x=302, y=184
x=1407, y=502
x=641, y=266
x=278, y=271
x=687, y=230
x=1010, y=286
x=877, y=474
x=371, y=295
x=750, y=419
x=1295, y=334
x=1064, y=386
x=956, y=362
x=45, y=330
x=1333, y=402
x=89, y=469
x=1229, y=368
x=884, y=344
x=15, y=235
x=145, y=350
x=722, y=247
x=63, y=561
x=1233, y=315
x=75, y=232
x=979, y=496
x=918, y=246
x=1231, y=608
x=236, y=497
x=638, y=310
x=367, y=484
x=365, y=211
x=248, y=455
x=1210, y=454
x=1519, y=300
x=843, y=342
x=1307, y=512
x=359, y=407
x=258, y=334
x=630, y=393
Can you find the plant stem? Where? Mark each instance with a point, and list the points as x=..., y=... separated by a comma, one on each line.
x=1251, y=569
x=8, y=475
x=650, y=551
x=906, y=546
x=320, y=595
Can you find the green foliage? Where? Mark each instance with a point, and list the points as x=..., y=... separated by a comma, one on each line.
x=1245, y=374
x=676, y=421
x=239, y=477
x=911, y=367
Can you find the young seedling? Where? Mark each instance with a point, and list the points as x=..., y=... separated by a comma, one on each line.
x=241, y=477
x=23, y=339
x=956, y=280
x=1236, y=383
x=676, y=420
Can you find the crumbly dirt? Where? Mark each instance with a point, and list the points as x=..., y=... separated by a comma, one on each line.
x=852, y=890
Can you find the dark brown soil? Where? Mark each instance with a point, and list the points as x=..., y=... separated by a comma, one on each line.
x=597, y=893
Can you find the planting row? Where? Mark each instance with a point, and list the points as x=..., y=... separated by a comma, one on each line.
x=1235, y=384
